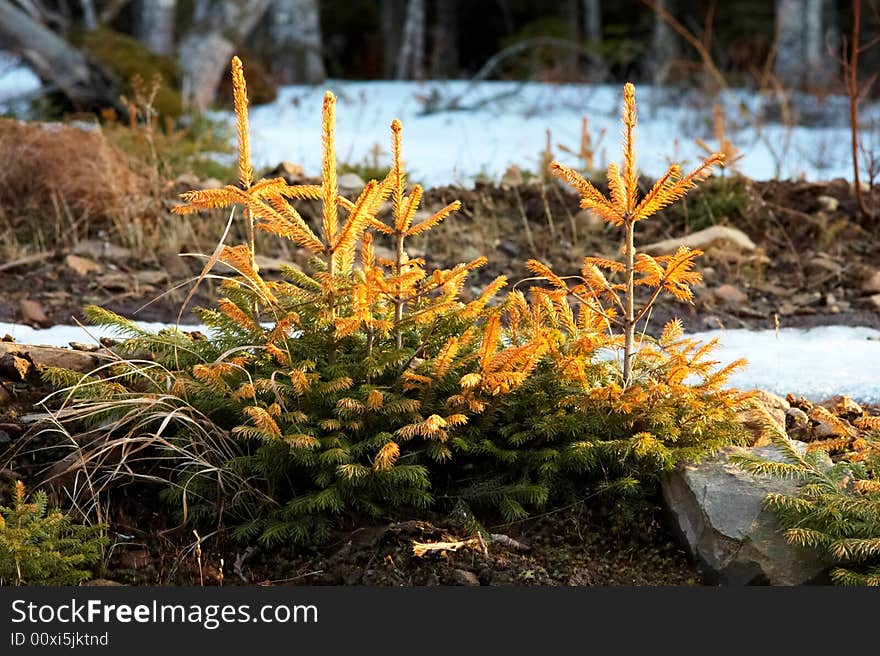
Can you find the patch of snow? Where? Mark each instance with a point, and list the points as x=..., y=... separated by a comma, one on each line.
x=16, y=81
x=817, y=363
x=62, y=335
x=505, y=123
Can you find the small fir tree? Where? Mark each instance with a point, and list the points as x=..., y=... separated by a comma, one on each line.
x=836, y=511
x=39, y=546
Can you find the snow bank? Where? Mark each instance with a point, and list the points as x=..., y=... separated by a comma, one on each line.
x=16, y=81
x=62, y=335
x=504, y=123
x=816, y=363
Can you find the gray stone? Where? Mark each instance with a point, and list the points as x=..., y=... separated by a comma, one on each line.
x=797, y=423
x=464, y=577
x=871, y=283
x=351, y=182
x=718, y=508
x=716, y=236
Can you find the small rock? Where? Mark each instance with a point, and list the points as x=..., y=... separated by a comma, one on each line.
x=822, y=265
x=115, y=281
x=590, y=220
x=32, y=313
x=807, y=298
x=730, y=238
x=822, y=431
x=211, y=183
x=846, y=407
x=828, y=203
x=351, y=182
x=731, y=295
x=292, y=173
x=86, y=348
x=5, y=438
x=512, y=177
x=102, y=250
x=188, y=180
x=469, y=252
x=82, y=266
x=151, y=277
x=797, y=424
x=101, y=583
x=775, y=405
x=875, y=301
x=14, y=367
x=464, y=577
x=871, y=284
x=508, y=248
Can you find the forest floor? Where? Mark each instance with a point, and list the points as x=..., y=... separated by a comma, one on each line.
x=811, y=262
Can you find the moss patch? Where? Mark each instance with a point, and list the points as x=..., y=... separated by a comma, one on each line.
x=126, y=57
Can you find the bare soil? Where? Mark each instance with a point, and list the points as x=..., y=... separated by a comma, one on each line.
x=812, y=259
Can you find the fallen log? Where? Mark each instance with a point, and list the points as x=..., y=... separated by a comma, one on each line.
x=83, y=82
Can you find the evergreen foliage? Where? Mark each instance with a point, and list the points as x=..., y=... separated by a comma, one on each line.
x=43, y=546
x=836, y=511
x=364, y=385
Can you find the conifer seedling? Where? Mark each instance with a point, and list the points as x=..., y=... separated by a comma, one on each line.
x=623, y=208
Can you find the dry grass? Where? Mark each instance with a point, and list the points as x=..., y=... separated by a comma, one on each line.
x=61, y=184
x=70, y=181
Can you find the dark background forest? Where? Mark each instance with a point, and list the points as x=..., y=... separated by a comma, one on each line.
x=88, y=49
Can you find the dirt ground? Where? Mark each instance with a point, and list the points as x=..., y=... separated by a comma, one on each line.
x=811, y=264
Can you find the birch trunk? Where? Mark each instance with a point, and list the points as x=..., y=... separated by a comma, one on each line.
x=296, y=44
x=664, y=45
x=806, y=32
x=206, y=50
x=155, y=25
x=410, y=59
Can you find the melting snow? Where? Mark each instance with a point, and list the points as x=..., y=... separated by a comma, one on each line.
x=16, y=81
x=506, y=124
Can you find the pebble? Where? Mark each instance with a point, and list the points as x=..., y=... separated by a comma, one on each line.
x=731, y=295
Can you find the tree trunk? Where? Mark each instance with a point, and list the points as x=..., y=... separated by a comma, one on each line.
x=593, y=21
x=391, y=34
x=84, y=83
x=806, y=30
x=444, y=37
x=90, y=20
x=664, y=45
x=155, y=25
x=207, y=48
x=572, y=58
x=296, y=45
x=410, y=59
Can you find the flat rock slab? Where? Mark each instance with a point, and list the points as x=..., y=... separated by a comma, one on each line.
x=718, y=508
x=53, y=356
